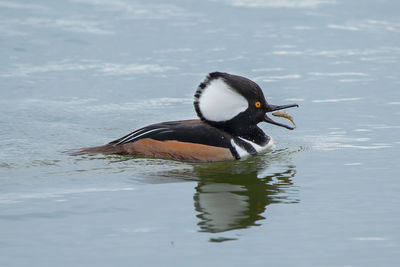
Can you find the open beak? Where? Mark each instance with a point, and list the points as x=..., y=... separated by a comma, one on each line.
x=275, y=108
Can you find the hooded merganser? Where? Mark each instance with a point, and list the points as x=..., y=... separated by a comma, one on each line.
x=229, y=108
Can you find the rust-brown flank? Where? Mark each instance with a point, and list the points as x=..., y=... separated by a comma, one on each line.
x=177, y=150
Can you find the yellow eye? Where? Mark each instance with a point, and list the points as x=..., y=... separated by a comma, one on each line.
x=257, y=104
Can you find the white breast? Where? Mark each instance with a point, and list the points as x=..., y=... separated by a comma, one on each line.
x=243, y=153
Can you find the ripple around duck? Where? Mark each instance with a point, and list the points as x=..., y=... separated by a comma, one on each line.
x=340, y=141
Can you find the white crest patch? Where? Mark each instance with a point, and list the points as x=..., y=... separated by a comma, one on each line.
x=219, y=102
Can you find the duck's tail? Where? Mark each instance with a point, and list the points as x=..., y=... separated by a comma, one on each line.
x=106, y=149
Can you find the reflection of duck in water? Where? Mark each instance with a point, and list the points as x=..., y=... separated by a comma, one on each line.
x=230, y=195
x=228, y=201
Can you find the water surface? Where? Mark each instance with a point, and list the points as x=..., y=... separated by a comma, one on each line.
x=84, y=72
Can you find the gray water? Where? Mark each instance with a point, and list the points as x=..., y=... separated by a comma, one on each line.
x=84, y=72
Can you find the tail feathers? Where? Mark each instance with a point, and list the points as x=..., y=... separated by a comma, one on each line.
x=109, y=148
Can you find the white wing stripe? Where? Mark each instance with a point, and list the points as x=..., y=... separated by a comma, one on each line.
x=133, y=137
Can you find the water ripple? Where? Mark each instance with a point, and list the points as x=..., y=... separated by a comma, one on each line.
x=18, y=197
x=141, y=11
x=98, y=67
x=66, y=24
x=367, y=25
x=335, y=141
x=338, y=74
x=279, y=3
x=274, y=78
x=334, y=100
x=8, y=4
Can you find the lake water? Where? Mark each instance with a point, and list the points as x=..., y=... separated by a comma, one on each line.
x=84, y=72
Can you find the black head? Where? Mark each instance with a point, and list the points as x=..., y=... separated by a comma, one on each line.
x=224, y=99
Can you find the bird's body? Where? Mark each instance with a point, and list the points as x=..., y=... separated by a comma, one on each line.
x=229, y=108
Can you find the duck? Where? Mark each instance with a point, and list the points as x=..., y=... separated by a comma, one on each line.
x=229, y=108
